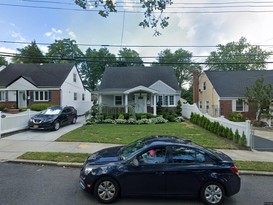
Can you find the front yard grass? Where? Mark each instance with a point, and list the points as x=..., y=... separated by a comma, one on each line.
x=124, y=134
x=80, y=158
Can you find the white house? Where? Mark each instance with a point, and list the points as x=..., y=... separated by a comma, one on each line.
x=59, y=84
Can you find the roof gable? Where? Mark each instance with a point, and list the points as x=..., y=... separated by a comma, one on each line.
x=22, y=83
x=41, y=75
x=234, y=83
x=130, y=77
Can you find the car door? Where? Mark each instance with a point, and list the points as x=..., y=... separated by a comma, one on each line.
x=64, y=116
x=186, y=171
x=148, y=178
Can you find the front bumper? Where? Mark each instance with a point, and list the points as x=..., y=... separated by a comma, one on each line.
x=40, y=126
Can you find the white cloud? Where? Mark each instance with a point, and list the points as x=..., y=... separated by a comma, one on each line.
x=17, y=36
x=7, y=51
x=54, y=33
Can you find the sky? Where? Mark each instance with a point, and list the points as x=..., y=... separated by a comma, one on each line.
x=194, y=25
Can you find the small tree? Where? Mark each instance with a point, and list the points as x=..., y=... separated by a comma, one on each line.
x=236, y=136
x=242, y=140
x=179, y=108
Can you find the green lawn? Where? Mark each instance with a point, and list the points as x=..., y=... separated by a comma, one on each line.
x=80, y=158
x=124, y=134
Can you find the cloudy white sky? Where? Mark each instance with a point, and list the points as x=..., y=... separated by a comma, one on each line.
x=194, y=25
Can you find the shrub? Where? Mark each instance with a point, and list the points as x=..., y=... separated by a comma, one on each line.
x=159, y=120
x=230, y=134
x=121, y=117
x=242, y=140
x=144, y=121
x=109, y=121
x=120, y=121
x=179, y=108
x=132, y=121
x=236, y=117
x=2, y=107
x=236, y=136
x=40, y=106
x=179, y=119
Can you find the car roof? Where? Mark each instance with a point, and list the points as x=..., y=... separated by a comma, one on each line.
x=161, y=139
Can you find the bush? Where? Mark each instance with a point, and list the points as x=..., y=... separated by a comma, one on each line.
x=179, y=119
x=179, y=108
x=120, y=121
x=40, y=106
x=236, y=136
x=121, y=117
x=159, y=120
x=2, y=107
x=236, y=117
x=132, y=121
x=144, y=121
x=109, y=121
x=242, y=140
x=230, y=134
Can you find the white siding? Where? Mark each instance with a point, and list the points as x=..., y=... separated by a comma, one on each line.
x=162, y=88
x=70, y=87
x=21, y=84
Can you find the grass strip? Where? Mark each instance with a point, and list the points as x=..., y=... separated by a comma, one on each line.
x=80, y=158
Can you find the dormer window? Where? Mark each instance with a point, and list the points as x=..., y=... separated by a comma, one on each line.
x=74, y=77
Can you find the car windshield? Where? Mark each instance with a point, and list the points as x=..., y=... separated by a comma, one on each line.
x=129, y=149
x=51, y=111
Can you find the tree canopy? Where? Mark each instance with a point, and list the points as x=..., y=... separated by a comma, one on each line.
x=129, y=57
x=3, y=61
x=237, y=56
x=261, y=95
x=29, y=54
x=153, y=14
x=181, y=61
x=63, y=51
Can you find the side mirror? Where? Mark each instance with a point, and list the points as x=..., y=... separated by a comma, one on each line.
x=135, y=162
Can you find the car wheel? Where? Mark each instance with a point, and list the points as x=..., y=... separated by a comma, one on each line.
x=74, y=120
x=56, y=125
x=106, y=190
x=212, y=193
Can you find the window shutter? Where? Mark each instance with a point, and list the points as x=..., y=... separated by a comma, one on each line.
x=7, y=96
x=49, y=95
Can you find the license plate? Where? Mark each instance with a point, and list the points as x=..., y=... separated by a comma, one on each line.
x=36, y=126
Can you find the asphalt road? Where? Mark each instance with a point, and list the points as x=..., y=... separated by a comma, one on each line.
x=22, y=184
x=262, y=144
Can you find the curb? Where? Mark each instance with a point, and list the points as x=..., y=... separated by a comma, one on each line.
x=79, y=165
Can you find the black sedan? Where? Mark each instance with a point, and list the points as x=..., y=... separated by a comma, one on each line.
x=53, y=118
x=160, y=165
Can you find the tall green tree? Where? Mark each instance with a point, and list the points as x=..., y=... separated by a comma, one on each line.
x=94, y=66
x=129, y=57
x=153, y=14
x=64, y=51
x=3, y=61
x=187, y=94
x=29, y=54
x=181, y=61
x=239, y=55
x=261, y=95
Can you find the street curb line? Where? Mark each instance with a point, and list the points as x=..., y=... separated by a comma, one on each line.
x=80, y=165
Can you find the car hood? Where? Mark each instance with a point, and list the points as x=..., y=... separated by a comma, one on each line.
x=44, y=117
x=105, y=156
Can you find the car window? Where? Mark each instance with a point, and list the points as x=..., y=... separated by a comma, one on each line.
x=153, y=156
x=186, y=155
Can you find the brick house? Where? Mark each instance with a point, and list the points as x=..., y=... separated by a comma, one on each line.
x=220, y=93
x=59, y=84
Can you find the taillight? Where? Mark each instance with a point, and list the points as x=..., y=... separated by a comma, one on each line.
x=234, y=170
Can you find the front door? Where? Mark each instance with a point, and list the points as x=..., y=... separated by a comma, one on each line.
x=22, y=99
x=140, y=103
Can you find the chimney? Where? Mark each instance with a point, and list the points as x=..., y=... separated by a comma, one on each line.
x=195, y=86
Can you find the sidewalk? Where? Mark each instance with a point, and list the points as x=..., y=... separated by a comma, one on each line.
x=44, y=141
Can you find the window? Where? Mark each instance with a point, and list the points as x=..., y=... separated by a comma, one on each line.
x=2, y=96
x=200, y=105
x=186, y=155
x=41, y=96
x=74, y=77
x=75, y=97
x=166, y=100
x=207, y=106
x=83, y=97
x=118, y=100
x=204, y=86
x=153, y=156
x=159, y=100
x=239, y=105
x=171, y=100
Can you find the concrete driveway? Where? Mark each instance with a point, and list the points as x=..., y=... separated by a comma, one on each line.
x=263, y=139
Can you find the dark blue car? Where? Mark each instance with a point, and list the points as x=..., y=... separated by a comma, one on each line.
x=160, y=165
x=53, y=118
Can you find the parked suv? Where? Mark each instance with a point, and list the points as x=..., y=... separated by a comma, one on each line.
x=53, y=118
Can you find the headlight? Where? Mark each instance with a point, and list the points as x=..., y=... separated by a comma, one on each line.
x=95, y=170
x=87, y=170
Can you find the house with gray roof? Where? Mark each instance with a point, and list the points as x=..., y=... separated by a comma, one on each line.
x=139, y=88
x=222, y=92
x=60, y=84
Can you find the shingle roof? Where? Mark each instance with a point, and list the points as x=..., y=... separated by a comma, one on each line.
x=234, y=83
x=122, y=78
x=41, y=75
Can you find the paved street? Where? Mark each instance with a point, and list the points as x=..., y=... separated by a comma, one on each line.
x=22, y=184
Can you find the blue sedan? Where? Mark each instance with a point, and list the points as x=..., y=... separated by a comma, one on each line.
x=160, y=165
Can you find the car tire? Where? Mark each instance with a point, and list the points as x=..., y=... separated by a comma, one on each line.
x=74, y=120
x=106, y=190
x=56, y=125
x=212, y=193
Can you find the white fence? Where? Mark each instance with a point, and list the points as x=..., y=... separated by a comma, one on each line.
x=14, y=122
x=245, y=127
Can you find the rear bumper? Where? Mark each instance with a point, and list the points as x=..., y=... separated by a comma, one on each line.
x=233, y=186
